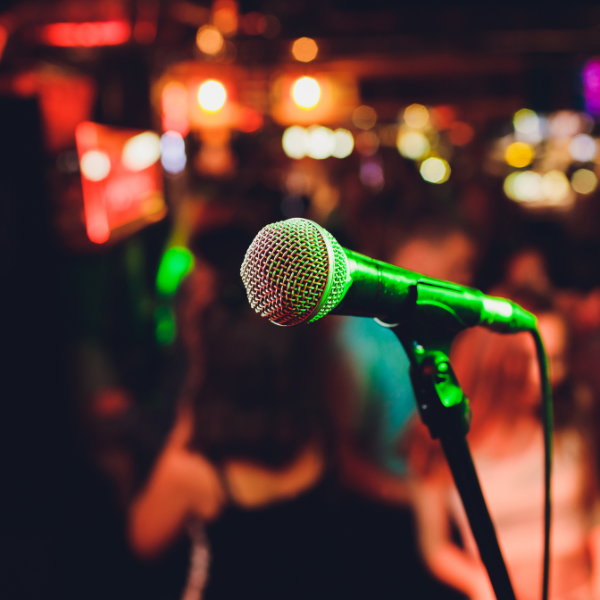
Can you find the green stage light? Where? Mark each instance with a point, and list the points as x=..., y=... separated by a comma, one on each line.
x=176, y=263
x=165, y=328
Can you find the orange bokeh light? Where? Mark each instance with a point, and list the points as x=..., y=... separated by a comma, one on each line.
x=209, y=40
x=305, y=49
x=225, y=17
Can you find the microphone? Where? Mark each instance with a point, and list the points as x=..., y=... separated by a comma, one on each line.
x=296, y=272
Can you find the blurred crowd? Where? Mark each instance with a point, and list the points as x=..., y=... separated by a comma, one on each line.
x=296, y=464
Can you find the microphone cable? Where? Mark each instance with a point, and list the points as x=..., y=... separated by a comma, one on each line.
x=547, y=424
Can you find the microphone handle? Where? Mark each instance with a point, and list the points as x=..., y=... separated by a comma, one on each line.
x=393, y=294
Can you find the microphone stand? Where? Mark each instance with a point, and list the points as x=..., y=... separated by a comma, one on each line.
x=444, y=408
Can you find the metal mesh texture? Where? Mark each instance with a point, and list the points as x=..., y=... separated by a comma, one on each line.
x=286, y=272
x=340, y=278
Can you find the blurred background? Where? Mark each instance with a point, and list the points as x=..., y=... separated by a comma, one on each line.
x=131, y=127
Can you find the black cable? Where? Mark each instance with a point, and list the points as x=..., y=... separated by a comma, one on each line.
x=548, y=428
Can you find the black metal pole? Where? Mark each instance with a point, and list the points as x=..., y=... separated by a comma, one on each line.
x=461, y=464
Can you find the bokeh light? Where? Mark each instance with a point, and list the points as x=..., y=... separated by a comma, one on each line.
x=584, y=181
x=174, y=100
x=371, y=173
x=519, y=154
x=564, y=124
x=173, y=157
x=165, y=325
x=209, y=40
x=527, y=186
x=225, y=16
x=416, y=116
x=460, y=134
x=212, y=95
x=435, y=170
x=254, y=23
x=412, y=144
x=141, y=151
x=591, y=86
x=176, y=263
x=528, y=126
x=295, y=142
x=555, y=187
x=95, y=165
x=364, y=117
x=306, y=92
x=321, y=142
x=526, y=121
x=305, y=49
x=509, y=185
x=316, y=142
x=343, y=143
x=366, y=143
x=583, y=148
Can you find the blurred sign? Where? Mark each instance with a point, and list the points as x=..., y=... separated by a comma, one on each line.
x=121, y=179
x=96, y=33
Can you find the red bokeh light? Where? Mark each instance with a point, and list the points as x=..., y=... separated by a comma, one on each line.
x=460, y=133
x=101, y=33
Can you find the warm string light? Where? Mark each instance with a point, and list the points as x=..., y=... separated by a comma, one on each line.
x=317, y=142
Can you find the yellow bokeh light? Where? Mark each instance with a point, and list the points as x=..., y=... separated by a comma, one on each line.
x=527, y=186
x=343, y=143
x=212, y=95
x=141, y=151
x=305, y=49
x=416, y=116
x=321, y=142
x=412, y=144
x=519, y=154
x=209, y=40
x=509, y=185
x=526, y=121
x=306, y=92
x=555, y=187
x=295, y=142
x=435, y=170
x=584, y=181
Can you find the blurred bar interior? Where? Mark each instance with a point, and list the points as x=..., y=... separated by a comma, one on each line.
x=144, y=144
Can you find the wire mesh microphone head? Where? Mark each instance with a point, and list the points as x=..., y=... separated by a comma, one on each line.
x=294, y=271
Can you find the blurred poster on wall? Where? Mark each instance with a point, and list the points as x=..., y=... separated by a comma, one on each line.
x=121, y=179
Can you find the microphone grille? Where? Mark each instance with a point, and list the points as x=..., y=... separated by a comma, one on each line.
x=292, y=274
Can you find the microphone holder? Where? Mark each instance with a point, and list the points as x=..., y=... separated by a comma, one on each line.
x=444, y=409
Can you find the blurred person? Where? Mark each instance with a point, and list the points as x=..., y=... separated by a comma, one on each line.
x=525, y=269
x=252, y=424
x=500, y=376
x=383, y=398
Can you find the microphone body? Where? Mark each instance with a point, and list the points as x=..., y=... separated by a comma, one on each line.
x=296, y=272
x=393, y=294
